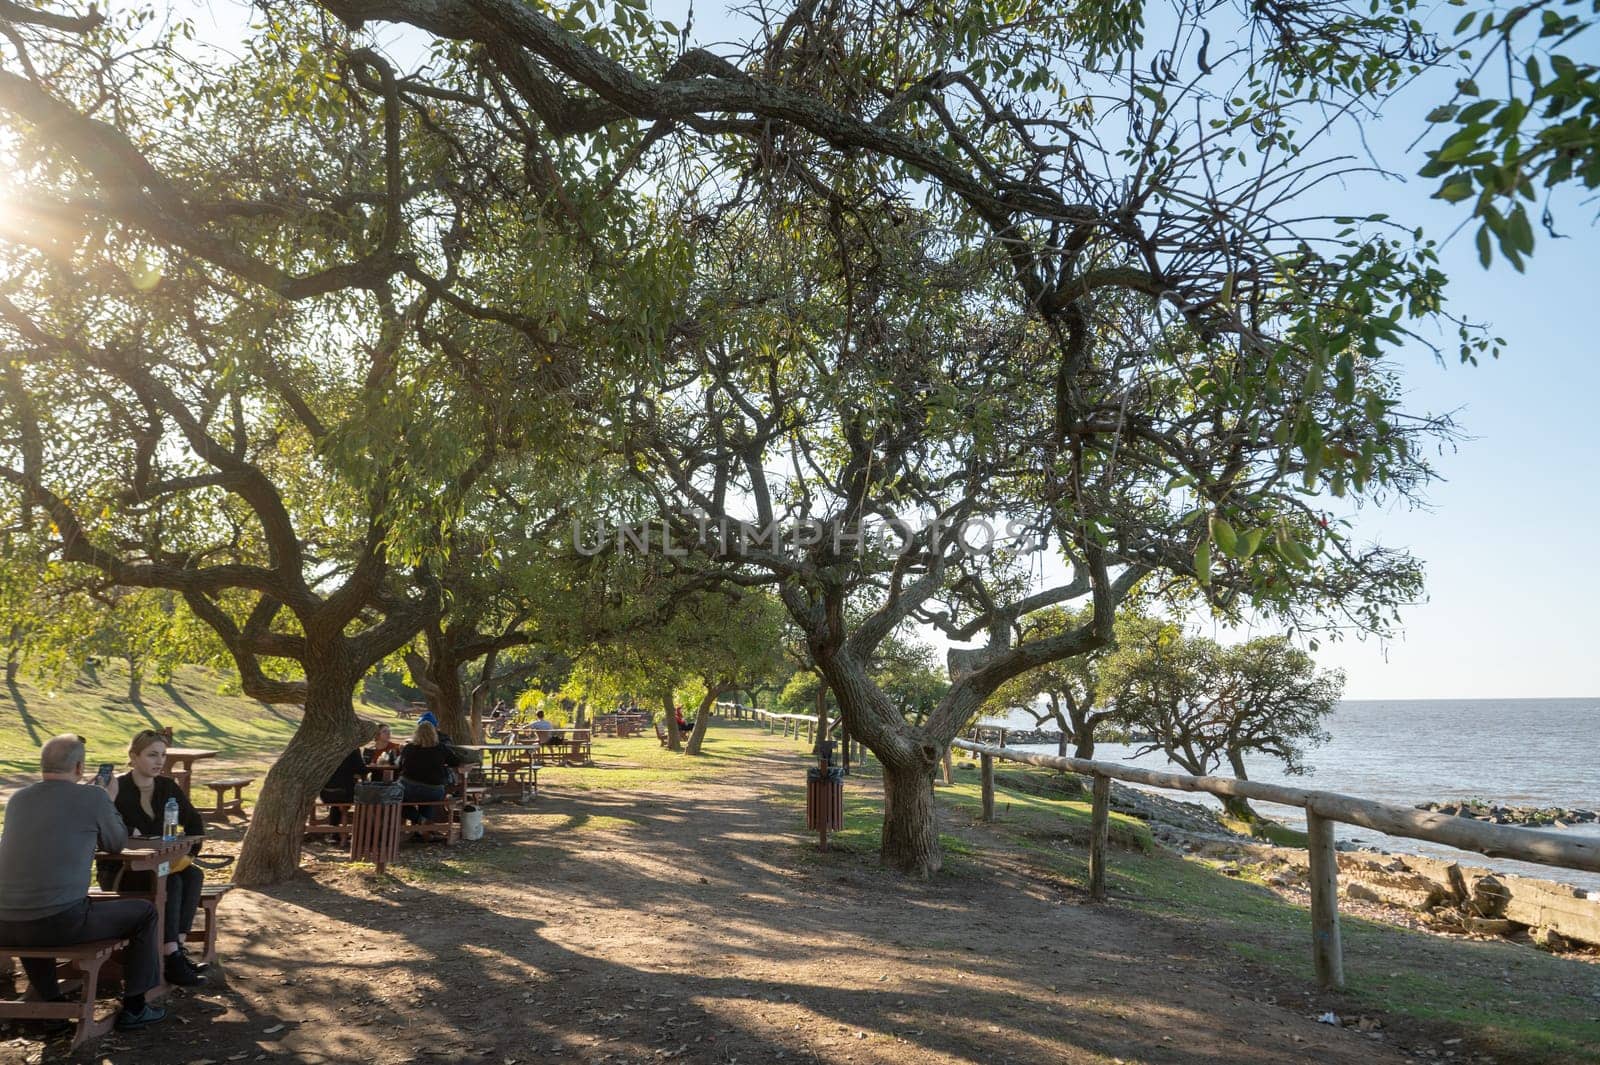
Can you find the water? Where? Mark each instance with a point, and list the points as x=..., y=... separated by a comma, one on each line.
x=1523, y=752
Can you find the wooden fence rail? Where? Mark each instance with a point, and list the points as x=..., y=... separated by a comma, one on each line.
x=1322, y=808
x=792, y=724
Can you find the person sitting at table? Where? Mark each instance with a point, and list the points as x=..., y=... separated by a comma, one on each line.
x=384, y=751
x=141, y=801
x=52, y=829
x=341, y=787
x=425, y=765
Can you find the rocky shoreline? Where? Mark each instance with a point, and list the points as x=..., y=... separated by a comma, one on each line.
x=1441, y=896
x=1531, y=816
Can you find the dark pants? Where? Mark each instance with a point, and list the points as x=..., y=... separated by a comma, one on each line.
x=335, y=814
x=422, y=793
x=183, y=901
x=84, y=922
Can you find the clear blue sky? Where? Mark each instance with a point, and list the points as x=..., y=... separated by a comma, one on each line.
x=1511, y=531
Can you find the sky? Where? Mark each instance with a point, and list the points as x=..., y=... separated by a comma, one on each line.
x=1510, y=531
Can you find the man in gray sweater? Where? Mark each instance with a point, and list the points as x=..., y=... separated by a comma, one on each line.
x=52, y=829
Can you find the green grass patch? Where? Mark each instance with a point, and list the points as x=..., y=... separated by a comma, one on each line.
x=249, y=735
x=1267, y=829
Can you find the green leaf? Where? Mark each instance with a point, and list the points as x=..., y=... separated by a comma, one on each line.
x=1226, y=538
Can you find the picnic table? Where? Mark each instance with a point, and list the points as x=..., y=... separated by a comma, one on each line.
x=572, y=745
x=145, y=855
x=505, y=765
x=180, y=764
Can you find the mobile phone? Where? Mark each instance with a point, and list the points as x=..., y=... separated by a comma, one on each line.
x=103, y=777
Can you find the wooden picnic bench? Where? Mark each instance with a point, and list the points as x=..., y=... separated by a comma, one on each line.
x=84, y=958
x=227, y=805
x=319, y=819
x=661, y=734
x=206, y=935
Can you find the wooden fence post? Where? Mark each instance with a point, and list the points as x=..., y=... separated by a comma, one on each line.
x=987, y=762
x=1326, y=950
x=1099, y=832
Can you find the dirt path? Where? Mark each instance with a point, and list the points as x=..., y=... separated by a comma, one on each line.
x=604, y=926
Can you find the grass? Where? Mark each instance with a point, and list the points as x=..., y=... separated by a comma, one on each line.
x=249, y=734
x=1515, y=1003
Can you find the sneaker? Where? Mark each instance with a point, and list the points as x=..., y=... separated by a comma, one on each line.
x=129, y=1020
x=180, y=972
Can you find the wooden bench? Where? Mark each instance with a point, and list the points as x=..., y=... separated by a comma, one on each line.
x=319, y=819
x=227, y=805
x=210, y=896
x=661, y=734
x=86, y=958
x=446, y=828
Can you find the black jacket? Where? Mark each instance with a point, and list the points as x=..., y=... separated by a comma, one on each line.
x=426, y=765
x=353, y=768
x=142, y=824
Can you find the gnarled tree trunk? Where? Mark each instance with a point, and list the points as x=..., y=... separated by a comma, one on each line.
x=910, y=818
x=439, y=678
x=328, y=732
x=1237, y=806
x=702, y=721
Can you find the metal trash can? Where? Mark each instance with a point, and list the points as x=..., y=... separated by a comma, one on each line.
x=375, y=822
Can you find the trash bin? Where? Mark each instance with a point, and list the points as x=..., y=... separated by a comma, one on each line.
x=825, y=798
x=471, y=823
x=375, y=822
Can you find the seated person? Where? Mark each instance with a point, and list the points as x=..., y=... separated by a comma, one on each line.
x=52, y=829
x=547, y=733
x=141, y=800
x=384, y=751
x=425, y=765
x=341, y=787
x=683, y=724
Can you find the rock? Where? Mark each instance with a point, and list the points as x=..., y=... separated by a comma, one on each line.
x=1489, y=897
x=1355, y=889
x=1551, y=940
x=1489, y=926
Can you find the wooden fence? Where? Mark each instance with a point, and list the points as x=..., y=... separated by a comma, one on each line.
x=792, y=724
x=1322, y=809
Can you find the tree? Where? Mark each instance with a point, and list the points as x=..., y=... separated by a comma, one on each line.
x=234, y=373
x=1530, y=125
x=986, y=227
x=1074, y=691
x=1207, y=705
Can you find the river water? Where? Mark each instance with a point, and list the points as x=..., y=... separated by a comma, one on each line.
x=1523, y=752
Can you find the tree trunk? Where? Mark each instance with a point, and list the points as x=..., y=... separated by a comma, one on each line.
x=674, y=737
x=329, y=730
x=135, y=680
x=480, y=694
x=702, y=721
x=13, y=655
x=822, y=714
x=949, y=767
x=910, y=820
x=1235, y=805
x=1082, y=733
x=438, y=677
